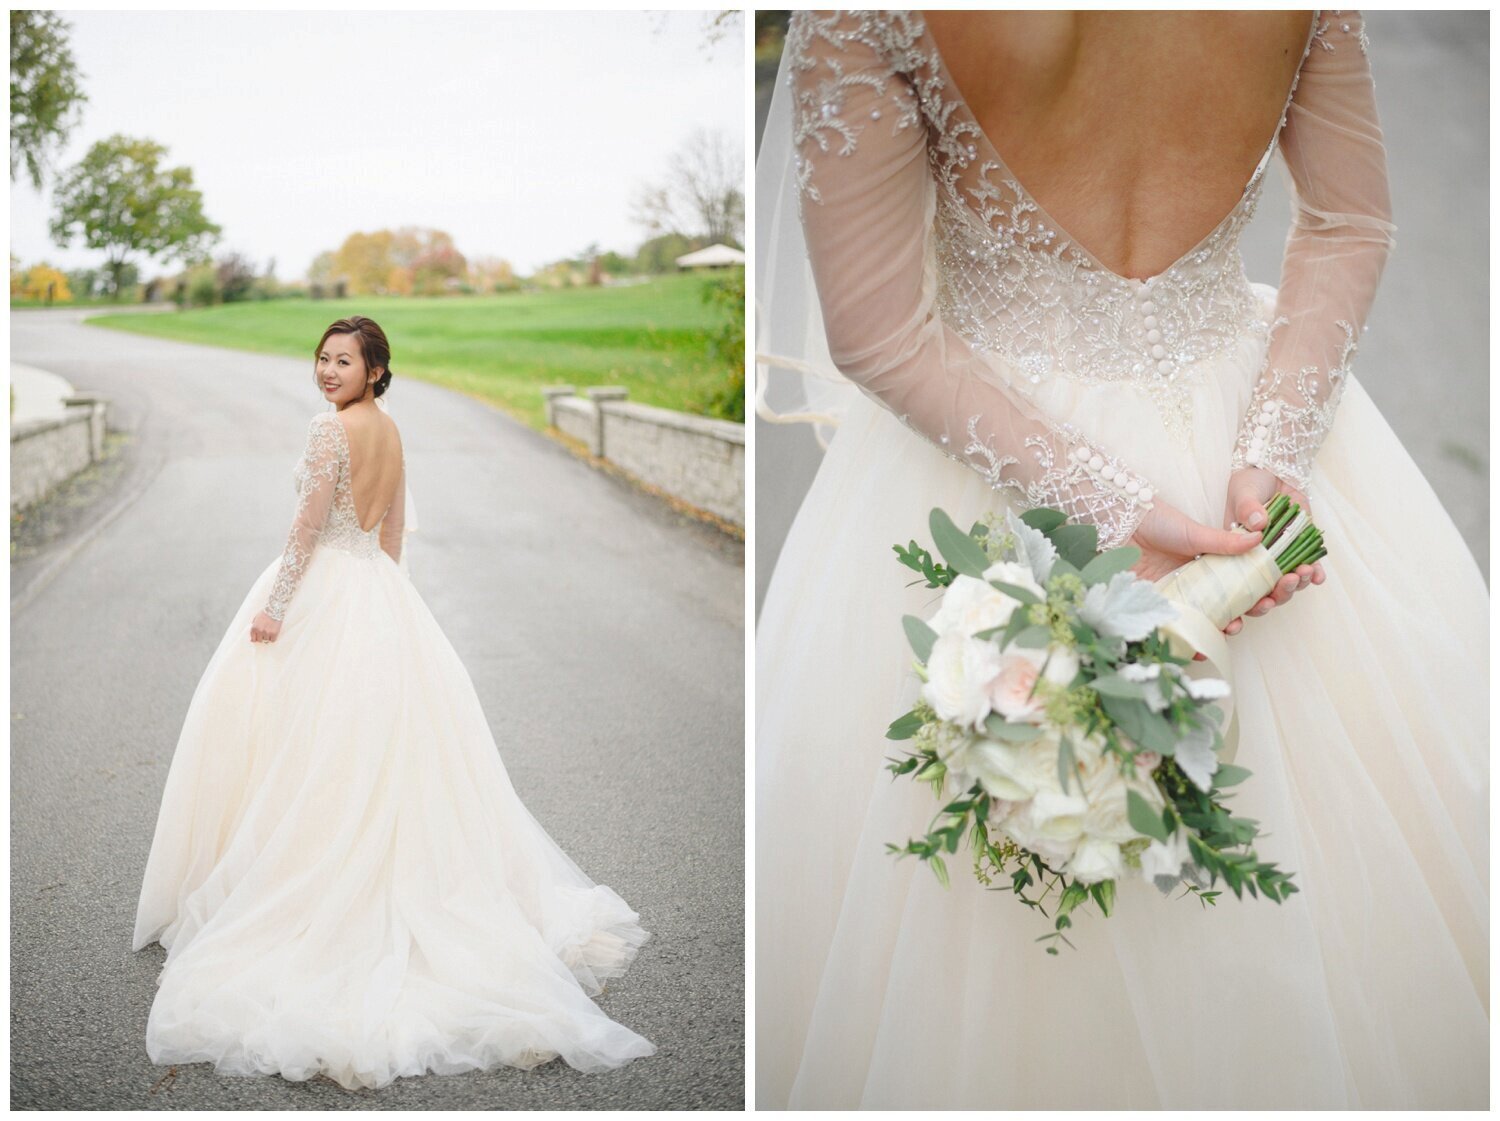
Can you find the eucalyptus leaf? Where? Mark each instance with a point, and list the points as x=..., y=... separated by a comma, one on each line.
x=1001, y=729
x=1044, y=519
x=1061, y=567
x=1142, y=725
x=1143, y=819
x=961, y=551
x=1033, y=637
x=1067, y=764
x=1076, y=544
x=1106, y=564
x=1113, y=685
x=920, y=635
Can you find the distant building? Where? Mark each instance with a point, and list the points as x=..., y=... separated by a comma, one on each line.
x=714, y=257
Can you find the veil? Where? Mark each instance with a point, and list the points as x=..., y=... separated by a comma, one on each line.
x=796, y=382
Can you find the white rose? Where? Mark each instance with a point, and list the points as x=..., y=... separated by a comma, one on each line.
x=1015, y=771
x=959, y=673
x=1107, y=817
x=1012, y=693
x=1095, y=861
x=1050, y=825
x=1009, y=572
x=970, y=606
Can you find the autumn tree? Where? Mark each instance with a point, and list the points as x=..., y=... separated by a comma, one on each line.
x=43, y=282
x=46, y=96
x=119, y=199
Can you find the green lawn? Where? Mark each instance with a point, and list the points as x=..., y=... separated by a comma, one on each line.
x=651, y=338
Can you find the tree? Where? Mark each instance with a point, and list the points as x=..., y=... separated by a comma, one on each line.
x=492, y=274
x=45, y=94
x=236, y=277
x=43, y=282
x=121, y=200
x=702, y=194
x=659, y=254
x=364, y=261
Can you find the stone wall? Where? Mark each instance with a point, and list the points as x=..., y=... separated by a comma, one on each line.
x=46, y=451
x=696, y=459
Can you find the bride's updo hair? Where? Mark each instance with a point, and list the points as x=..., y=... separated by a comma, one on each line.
x=372, y=345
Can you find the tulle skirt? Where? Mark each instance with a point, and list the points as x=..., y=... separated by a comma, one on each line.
x=1363, y=715
x=342, y=874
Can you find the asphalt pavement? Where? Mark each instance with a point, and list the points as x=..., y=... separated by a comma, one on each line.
x=604, y=634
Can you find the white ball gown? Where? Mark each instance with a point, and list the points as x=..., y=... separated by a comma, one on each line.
x=961, y=348
x=342, y=874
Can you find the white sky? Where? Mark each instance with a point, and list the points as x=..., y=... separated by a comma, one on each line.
x=523, y=135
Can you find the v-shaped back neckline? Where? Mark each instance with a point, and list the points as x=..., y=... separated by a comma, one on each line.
x=963, y=104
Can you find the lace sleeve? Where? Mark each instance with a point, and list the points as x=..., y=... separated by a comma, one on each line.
x=393, y=525
x=1340, y=237
x=317, y=477
x=867, y=202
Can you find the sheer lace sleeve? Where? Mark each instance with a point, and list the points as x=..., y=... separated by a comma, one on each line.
x=867, y=202
x=393, y=525
x=1340, y=238
x=317, y=477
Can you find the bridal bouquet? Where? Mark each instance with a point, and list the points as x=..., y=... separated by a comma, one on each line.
x=1058, y=723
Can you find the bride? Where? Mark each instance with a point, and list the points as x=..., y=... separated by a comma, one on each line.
x=342, y=875
x=971, y=350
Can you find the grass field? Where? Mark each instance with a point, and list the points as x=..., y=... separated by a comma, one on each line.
x=651, y=338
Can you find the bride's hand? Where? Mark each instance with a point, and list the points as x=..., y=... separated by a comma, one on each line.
x=264, y=628
x=1168, y=539
x=1250, y=488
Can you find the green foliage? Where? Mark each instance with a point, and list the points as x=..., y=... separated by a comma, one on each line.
x=659, y=254
x=920, y=561
x=726, y=346
x=46, y=93
x=503, y=349
x=118, y=198
x=962, y=552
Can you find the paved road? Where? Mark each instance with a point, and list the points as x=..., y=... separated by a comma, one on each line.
x=604, y=634
x=1425, y=358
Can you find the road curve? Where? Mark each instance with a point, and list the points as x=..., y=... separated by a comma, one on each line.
x=604, y=634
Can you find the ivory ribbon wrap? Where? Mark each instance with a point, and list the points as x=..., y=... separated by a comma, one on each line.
x=1208, y=592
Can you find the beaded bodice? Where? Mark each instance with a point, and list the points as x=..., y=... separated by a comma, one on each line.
x=932, y=259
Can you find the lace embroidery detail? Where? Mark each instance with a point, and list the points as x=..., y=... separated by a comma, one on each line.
x=1088, y=486
x=1289, y=417
x=325, y=513
x=1010, y=281
x=1323, y=26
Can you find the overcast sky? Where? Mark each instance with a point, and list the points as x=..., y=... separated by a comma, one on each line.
x=521, y=134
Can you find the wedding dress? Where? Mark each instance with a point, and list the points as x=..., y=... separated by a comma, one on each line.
x=957, y=348
x=342, y=874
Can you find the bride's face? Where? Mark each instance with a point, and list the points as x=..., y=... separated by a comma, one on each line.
x=341, y=370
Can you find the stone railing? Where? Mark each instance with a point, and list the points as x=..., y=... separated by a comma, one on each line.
x=696, y=459
x=48, y=450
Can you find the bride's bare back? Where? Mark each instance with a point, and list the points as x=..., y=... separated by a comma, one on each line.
x=374, y=461
x=1136, y=131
